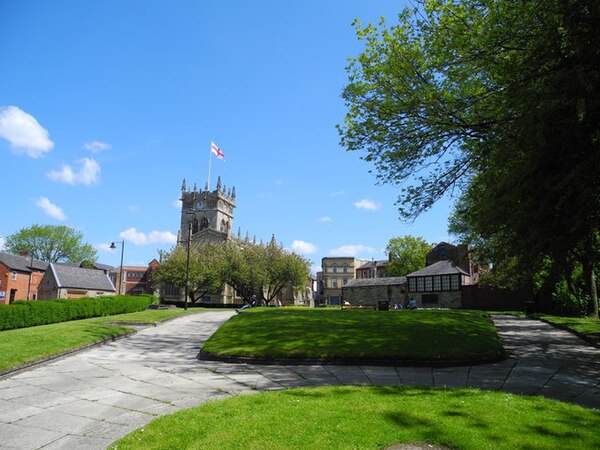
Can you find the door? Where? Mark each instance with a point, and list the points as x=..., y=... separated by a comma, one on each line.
x=13, y=294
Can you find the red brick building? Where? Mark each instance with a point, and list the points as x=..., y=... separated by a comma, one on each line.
x=19, y=276
x=137, y=280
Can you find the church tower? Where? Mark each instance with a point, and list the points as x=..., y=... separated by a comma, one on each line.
x=208, y=214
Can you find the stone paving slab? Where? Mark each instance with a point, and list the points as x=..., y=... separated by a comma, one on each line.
x=89, y=399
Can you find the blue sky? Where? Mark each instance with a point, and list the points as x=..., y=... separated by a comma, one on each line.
x=106, y=106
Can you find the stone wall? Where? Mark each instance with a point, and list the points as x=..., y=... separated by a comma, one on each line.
x=371, y=295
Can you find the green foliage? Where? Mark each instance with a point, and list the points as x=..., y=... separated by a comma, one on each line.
x=373, y=417
x=206, y=270
x=51, y=243
x=406, y=254
x=502, y=101
x=22, y=314
x=263, y=270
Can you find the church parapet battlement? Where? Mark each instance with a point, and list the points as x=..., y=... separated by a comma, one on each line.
x=209, y=214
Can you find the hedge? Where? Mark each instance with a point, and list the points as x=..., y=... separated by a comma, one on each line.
x=22, y=314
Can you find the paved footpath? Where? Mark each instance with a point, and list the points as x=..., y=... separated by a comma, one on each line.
x=90, y=399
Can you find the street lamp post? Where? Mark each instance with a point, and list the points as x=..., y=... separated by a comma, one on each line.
x=30, y=274
x=189, y=213
x=112, y=247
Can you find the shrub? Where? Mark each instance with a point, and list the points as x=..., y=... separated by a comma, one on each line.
x=23, y=314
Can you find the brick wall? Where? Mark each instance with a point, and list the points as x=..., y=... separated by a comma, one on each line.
x=19, y=286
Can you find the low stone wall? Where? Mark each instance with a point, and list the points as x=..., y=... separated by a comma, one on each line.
x=372, y=295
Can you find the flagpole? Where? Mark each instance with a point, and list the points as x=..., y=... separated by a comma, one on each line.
x=209, y=163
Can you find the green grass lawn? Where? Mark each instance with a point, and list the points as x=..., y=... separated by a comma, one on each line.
x=424, y=335
x=26, y=345
x=373, y=418
x=584, y=326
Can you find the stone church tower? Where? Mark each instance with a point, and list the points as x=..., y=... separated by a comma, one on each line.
x=207, y=214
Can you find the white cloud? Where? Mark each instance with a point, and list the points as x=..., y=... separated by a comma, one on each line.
x=103, y=247
x=50, y=208
x=304, y=248
x=134, y=208
x=176, y=204
x=23, y=132
x=141, y=238
x=325, y=219
x=96, y=146
x=87, y=174
x=367, y=204
x=351, y=250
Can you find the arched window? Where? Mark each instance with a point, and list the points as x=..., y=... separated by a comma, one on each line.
x=204, y=223
x=195, y=226
x=345, y=268
x=334, y=265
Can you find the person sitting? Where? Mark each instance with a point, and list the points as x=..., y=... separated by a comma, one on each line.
x=412, y=304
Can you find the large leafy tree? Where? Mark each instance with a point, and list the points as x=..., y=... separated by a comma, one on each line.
x=263, y=270
x=406, y=255
x=499, y=99
x=206, y=270
x=51, y=243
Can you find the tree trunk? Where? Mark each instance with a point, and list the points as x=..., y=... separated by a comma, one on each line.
x=590, y=281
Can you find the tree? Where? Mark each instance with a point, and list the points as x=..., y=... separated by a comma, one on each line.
x=51, y=243
x=406, y=255
x=206, y=270
x=500, y=100
x=263, y=270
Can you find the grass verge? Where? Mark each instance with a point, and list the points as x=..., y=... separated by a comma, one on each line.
x=26, y=345
x=395, y=336
x=588, y=329
x=373, y=417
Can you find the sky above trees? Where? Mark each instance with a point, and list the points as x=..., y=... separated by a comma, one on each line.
x=106, y=106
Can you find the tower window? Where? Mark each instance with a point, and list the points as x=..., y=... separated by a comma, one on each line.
x=204, y=223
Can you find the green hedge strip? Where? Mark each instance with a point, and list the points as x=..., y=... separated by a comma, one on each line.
x=22, y=314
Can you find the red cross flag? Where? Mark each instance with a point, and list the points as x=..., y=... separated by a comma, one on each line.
x=216, y=150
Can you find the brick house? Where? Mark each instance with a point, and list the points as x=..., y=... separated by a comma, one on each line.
x=19, y=276
x=137, y=280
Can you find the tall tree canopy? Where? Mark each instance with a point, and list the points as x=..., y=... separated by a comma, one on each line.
x=406, y=254
x=206, y=270
x=499, y=99
x=52, y=243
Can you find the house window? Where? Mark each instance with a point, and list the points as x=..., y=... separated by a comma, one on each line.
x=334, y=283
x=420, y=285
x=14, y=276
x=345, y=268
x=445, y=282
x=454, y=283
x=428, y=284
x=437, y=283
x=344, y=281
x=429, y=299
x=334, y=266
x=412, y=284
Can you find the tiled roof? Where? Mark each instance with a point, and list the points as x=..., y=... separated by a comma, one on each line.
x=79, y=278
x=22, y=263
x=379, y=263
x=438, y=268
x=384, y=281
